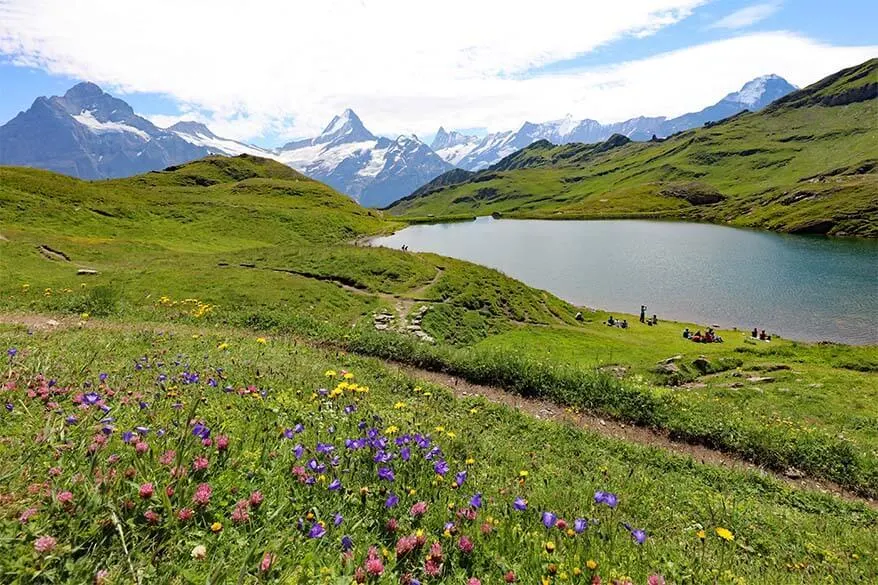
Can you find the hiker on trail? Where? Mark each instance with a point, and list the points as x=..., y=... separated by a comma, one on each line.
x=642, y=313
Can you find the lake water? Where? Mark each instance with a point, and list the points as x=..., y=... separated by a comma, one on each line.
x=799, y=287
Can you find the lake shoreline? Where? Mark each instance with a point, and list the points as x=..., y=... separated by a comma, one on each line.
x=860, y=335
x=562, y=217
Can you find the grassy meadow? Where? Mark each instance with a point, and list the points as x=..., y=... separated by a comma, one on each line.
x=181, y=453
x=221, y=252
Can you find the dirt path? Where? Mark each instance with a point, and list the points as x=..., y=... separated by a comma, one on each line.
x=539, y=409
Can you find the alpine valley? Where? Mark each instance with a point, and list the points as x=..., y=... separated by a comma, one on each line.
x=89, y=134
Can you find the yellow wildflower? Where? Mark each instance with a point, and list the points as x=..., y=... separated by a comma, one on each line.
x=440, y=429
x=428, y=394
x=550, y=547
x=451, y=434
x=330, y=374
x=84, y=316
x=392, y=429
x=725, y=534
x=412, y=491
x=216, y=527
x=261, y=340
x=399, y=405
x=592, y=565
x=470, y=461
x=473, y=410
x=348, y=376
x=577, y=571
x=523, y=473
x=700, y=534
x=222, y=346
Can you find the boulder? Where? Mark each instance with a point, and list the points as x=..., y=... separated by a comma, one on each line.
x=703, y=365
x=667, y=368
x=760, y=379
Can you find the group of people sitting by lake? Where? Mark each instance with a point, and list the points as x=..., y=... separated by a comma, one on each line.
x=760, y=335
x=643, y=319
x=709, y=336
x=613, y=322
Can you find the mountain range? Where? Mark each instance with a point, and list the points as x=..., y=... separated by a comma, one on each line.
x=473, y=153
x=373, y=170
x=806, y=163
x=88, y=133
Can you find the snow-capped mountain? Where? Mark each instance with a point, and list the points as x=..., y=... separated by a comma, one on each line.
x=373, y=170
x=198, y=134
x=453, y=146
x=471, y=153
x=92, y=135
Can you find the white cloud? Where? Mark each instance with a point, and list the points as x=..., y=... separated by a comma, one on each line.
x=747, y=16
x=405, y=67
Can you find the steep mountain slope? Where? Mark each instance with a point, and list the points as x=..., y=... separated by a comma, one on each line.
x=92, y=135
x=373, y=170
x=470, y=153
x=200, y=135
x=808, y=163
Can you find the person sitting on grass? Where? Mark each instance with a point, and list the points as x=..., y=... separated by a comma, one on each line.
x=611, y=321
x=624, y=324
x=686, y=334
x=697, y=337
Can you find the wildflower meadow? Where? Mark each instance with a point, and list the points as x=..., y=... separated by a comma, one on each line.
x=173, y=457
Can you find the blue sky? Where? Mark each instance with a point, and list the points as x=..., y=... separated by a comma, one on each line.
x=409, y=70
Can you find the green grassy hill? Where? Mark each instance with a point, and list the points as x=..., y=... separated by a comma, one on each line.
x=221, y=290
x=247, y=243
x=806, y=164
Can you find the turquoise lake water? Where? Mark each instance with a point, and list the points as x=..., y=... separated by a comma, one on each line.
x=799, y=287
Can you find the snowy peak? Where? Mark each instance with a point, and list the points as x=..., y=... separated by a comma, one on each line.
x=445, y=139
x=197, y=134
x=89, y=97
x=189, y=127
x=758, y=93
x=84, y=91
x=344, y=128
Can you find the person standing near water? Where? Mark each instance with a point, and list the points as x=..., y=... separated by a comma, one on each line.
x=642, y=313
